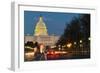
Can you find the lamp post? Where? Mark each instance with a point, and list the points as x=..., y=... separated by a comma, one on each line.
x=69, y=45
x=81, y=41
x=89, y=38
x=59, y=47
x=74, y=43
x=81, y=46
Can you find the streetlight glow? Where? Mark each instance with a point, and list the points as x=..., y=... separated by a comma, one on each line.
x=75, y=43
x=89, y=38
x=80, y=41
x=69, y=45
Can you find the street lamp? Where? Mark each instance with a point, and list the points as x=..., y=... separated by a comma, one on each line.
x=69, y=45
x=59, y=47
x=75, y=43
x=80, y=41
x=89, y=38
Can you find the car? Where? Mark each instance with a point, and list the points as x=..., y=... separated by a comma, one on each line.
x=55, y=54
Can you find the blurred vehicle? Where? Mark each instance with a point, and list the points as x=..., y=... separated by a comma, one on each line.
x=29, y=56
x=28, y=53
x=55, y=54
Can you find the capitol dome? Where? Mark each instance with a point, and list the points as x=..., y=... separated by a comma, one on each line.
x=40, y=28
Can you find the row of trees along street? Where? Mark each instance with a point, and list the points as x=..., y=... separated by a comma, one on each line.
x=77, y=32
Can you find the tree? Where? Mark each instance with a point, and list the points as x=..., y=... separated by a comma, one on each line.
x=85, y=21
x=29, y=43
x=78, y=29
x=71, y=33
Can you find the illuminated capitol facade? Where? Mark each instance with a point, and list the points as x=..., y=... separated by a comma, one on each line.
x=41, y=34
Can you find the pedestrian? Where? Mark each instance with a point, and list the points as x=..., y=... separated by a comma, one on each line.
x=40, y=53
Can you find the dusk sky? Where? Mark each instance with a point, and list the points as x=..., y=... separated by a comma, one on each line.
x=55, y=22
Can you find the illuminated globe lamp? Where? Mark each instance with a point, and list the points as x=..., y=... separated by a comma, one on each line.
x=59, y=47
x=81, y=41
x=89, y=38
x=74, y=43
x=69, y=45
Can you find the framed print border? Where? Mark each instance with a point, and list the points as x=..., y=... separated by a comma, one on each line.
x=17, y=36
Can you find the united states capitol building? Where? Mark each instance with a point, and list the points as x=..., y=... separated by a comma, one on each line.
x=41, y=34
